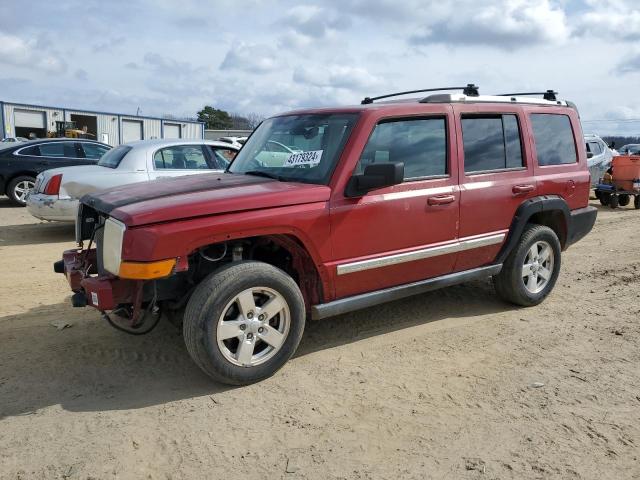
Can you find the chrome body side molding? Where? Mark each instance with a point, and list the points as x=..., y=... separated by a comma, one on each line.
x=377, y=297
x=385, y=261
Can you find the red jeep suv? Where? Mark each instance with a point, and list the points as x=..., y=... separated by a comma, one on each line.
x=325, y=211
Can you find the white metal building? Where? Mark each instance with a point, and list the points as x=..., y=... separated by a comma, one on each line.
x=19, y=120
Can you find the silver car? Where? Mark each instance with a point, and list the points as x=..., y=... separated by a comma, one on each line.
x=57, y=191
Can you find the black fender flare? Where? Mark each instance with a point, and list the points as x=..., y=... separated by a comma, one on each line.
x=526, y=210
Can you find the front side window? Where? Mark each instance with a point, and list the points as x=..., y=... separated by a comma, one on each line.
x=58, y=149
x=181, y=157
x=222, y=157
x=297, y=148
x=93, y=150
x=491, y=142
x=113, y=157
x=421, y=144
x=553, y=137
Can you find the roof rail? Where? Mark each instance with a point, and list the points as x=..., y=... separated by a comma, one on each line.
x=471, y=90
x=548, y=95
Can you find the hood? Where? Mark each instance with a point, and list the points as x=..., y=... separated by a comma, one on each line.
x=192, y=196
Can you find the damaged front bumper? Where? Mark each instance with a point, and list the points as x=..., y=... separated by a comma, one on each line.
x=104, y=292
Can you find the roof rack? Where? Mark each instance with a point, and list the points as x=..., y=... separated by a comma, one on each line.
x=470, y=90
x=548, y=95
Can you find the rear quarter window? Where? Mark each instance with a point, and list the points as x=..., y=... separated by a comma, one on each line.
x=113, y=157
x=554, y=139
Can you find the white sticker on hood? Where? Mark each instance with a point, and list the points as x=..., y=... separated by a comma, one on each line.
x=311, y=158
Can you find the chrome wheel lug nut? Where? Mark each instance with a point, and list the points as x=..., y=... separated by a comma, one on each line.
x=261, y=330
x=249, y=336
x=261, y=317
x=243, y=327
x=250, y=315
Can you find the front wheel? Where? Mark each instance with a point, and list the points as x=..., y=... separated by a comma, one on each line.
x=243, y=322
x=18, y=189
x=531, y=269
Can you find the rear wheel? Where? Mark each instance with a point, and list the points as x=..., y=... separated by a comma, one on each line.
x=613, y=203
x=244, y=322
x=531, y=269
x=623, y=200
x=604, y=198
x=18, y=189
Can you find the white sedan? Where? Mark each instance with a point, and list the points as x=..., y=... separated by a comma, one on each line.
x=57, y=191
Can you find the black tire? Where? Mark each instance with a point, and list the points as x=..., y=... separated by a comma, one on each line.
x=596, y=193
x=623, y=200
x=605, y=198
x=12, y=189
x=636, y=202
x=613, y=202
x=206, y=306
x=509, y=282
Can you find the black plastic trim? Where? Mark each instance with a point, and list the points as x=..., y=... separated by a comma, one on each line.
x=580, y=224
x=370, y=299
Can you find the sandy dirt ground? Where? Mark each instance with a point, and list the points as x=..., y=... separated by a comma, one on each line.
x=448, y=385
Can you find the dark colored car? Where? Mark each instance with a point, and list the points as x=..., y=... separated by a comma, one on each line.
x=375, y=202
x=21, y=162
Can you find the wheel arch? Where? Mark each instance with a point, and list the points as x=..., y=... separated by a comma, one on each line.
x=551, y=211
x=289, y=253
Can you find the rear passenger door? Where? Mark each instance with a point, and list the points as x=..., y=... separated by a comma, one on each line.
x=496, y=177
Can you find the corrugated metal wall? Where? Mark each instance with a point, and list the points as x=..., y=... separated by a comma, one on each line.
x=51, y=115
x=107, y=123
x=216, y=134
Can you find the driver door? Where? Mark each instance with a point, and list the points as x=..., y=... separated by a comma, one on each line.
x=407, y=232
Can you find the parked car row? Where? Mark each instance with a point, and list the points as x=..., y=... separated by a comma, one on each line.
x=56, y=191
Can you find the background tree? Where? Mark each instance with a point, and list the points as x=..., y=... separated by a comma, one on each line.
x=215, y=119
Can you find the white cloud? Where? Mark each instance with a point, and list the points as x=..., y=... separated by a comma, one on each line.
x=27, y=53
x=612, y=19
x=337, y=76
x=506, y=24
x=251, y=58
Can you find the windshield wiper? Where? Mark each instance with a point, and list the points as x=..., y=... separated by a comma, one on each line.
x=262, y=173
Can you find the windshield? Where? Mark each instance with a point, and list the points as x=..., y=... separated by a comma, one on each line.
x=297, y=148
x=113, y=157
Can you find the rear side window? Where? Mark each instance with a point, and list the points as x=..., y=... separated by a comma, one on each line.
x=181, y=157
x=113, y=157
x=94, y=150
x=553, y=137
x=491, y=142
x=594, y=147
x=222, y=157
x=421, y=144
x=58, y=149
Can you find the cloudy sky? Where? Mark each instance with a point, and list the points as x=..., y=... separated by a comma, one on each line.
x=258, y=56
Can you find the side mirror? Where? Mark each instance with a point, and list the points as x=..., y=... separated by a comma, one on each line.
x=589, y=154
x=376, y=175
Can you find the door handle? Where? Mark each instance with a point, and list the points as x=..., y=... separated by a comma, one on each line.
x=518, y=189
x=441, y=200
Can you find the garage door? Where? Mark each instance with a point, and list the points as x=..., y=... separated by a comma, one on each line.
x=29, y=119
x=131, y=131
x=171, y=130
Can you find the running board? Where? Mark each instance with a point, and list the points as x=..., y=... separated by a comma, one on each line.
x=357, y=302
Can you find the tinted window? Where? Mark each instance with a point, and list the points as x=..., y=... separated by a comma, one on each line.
x=181, y=157
x=33, y=151
x=553, y=138
x=222, y=157
x=113, y=157
x=420, y=144
x=491, y=143
x=594, y=147
x=58, y=149
x=93, y=150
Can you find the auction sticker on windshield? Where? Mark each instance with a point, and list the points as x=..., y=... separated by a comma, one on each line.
x=311, y=158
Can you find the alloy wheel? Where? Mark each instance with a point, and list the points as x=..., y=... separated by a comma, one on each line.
x=537, y=268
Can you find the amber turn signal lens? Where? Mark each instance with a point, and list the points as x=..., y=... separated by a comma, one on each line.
x=146, y=270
